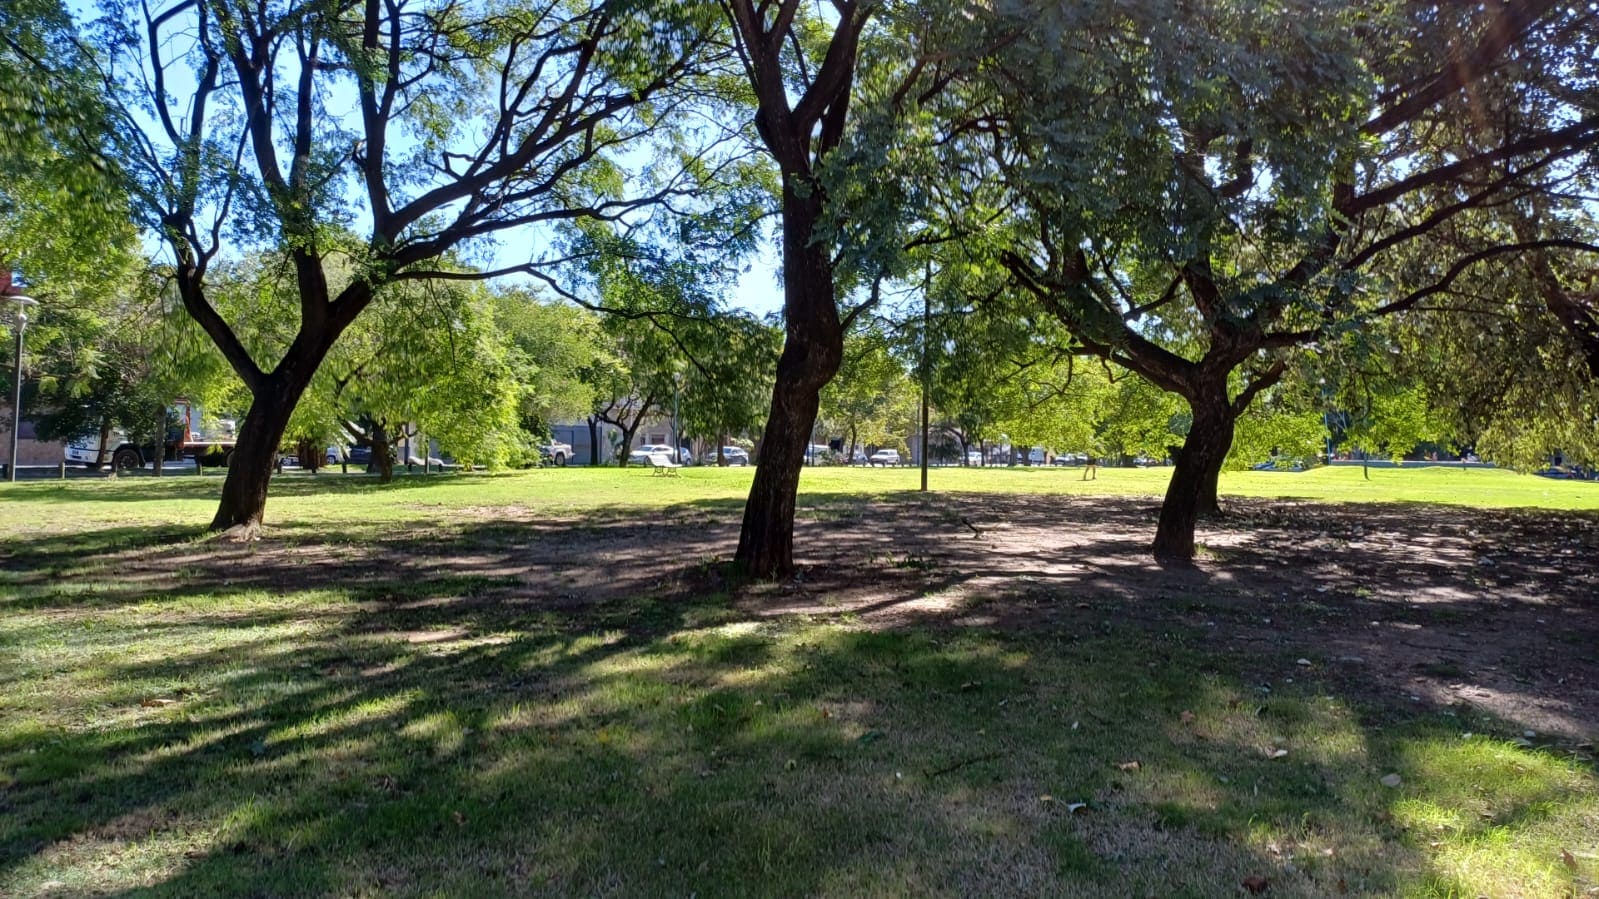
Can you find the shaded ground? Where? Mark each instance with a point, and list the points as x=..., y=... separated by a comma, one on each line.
x=503, y=702
x=1497, y=612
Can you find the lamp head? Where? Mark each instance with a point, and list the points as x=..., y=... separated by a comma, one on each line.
x=22, y=308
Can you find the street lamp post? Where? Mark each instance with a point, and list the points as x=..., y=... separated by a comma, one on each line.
x=16, y=388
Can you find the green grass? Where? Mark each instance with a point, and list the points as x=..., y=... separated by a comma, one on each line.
x=451, y=735
x=300, y=499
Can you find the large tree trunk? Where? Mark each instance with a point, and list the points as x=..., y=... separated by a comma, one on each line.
x=813, y=348
x=382, y=453
x=309, y=452
x=244, y=492
x=766, y=542
x=1209, y=504
x=627, y=446
x=594, y=442
x=1192, y=490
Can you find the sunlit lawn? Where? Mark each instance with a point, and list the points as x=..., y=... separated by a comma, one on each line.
x=450, y=736
x=304, y=498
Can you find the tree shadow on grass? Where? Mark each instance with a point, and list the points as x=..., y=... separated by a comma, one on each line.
x=659, y=760
x=571, y=707
x=670, y=758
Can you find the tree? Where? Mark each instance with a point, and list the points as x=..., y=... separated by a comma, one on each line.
x=1196, y=204
x=427, y=354
x=1136, y=419
x=64, y=225
x=61, y=200
x=873, y=397
x=1284, y=425
x=801, y=66
x=629, y=383
x=116, y=350
x=468, y=121
x=1488, y=366
x=552, y=344
x=428, y=358
x=726, y=378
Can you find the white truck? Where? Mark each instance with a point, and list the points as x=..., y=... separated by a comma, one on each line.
x=183, y=440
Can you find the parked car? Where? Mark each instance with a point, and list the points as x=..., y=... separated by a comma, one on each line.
x=683, y=456
x=818, y=454
x=555, y=453
x=1036, y=456
x=884, y=457
x=974, y=457
x=733, y=454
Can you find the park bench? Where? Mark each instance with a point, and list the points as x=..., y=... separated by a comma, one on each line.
x=664, y=465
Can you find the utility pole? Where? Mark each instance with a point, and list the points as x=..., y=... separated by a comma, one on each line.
x=677, y=436
x=16, y=393
x=927, y=283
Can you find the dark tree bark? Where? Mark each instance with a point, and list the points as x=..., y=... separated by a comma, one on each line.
x=799, y=126
x=594, y=441
x=244, y=492
x=105, y=438
x=813, y=348
x=1192, y=490
x=382, y=453
x=630, y=427
x=627, y=446
x=273, y=394
x=309, y=453
x=1579, y=315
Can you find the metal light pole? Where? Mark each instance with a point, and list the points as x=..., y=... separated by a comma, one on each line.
x=927, y=318
x=16, y=388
